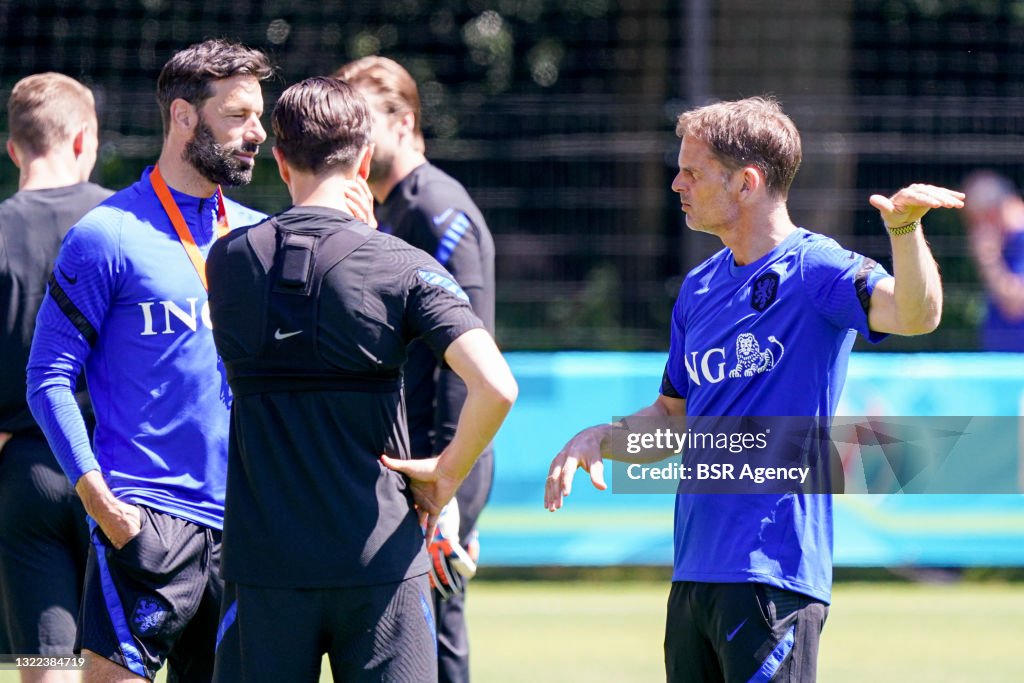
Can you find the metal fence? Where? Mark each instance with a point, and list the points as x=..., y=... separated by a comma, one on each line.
x=559, y=116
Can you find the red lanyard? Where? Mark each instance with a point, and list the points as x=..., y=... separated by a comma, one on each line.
x=180, y=227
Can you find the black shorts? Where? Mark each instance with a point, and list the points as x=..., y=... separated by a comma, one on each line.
x=156, y=599
x=44, y=540
x=381, y=633
x=741, y=633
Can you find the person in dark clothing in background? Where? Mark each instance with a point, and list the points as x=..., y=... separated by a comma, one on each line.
x=44, y=538
x=429, y=209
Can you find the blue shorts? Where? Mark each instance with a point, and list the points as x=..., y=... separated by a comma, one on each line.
x=156, y=599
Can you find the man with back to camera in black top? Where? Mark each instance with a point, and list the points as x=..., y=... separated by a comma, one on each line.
x=312, y=312
x=44, y=538
x=429, y=209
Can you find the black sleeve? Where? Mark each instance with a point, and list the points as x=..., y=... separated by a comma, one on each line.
x=449, y=227
x=446, y=224
x=437, y=309
x=667, y=388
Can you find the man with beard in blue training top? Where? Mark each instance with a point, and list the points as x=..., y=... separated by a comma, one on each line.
x=753, y=572
x=127, y=300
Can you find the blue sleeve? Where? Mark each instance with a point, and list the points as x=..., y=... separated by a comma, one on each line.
x=437, y=310
x=839, y=284
x=77, y=298
x=674, y=383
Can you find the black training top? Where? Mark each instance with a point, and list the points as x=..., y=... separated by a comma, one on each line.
x=432, y=211
x=32, y=225
x=312, y=312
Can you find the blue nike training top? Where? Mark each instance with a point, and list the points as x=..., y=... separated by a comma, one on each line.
x=126, y=302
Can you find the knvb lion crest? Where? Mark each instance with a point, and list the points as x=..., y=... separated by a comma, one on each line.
x=764, y=291
x=149, y=616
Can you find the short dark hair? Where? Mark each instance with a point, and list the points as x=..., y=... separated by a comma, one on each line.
x=388, y=80
x=321, y=123
x=189, y=73
x=749, y=132
x=45, y=110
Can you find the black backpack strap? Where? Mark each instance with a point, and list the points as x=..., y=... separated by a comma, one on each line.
x=267, y=384
x=299, y=260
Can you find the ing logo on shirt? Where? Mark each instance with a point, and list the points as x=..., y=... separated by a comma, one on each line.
x=186, y=317
x=751, y=360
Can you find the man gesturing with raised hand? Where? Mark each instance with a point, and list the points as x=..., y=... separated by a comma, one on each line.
x=753, y=571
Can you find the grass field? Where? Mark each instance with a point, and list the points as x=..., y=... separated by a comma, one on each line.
x=605, y=632
x=612, y=632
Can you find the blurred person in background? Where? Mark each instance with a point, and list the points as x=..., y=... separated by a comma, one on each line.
x=128, y=303
x=44, y=538
x=423, y=205
x=994, y=217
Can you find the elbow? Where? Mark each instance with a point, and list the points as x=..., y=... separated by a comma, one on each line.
x=501, y=391
x=926, y=322
x=34, y=393
x=931, y=323
x=924, y=327
x=506, y=392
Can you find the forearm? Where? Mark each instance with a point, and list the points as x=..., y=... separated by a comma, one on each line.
x=119, y=521
x=55, y=362
x=605, y=432
x=97, y=498
x=917, y=289
x=60, y=418
x=488, y=402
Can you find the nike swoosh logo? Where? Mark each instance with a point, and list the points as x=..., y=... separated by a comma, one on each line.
x=279, y=335
x=438, y=220
x=732, y=635
x=71, y=280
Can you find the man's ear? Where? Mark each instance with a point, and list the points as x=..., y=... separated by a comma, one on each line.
x=184, y=116
x=364, y=161
x=12, y=152
x=78, y=142
x=407, y=123
x=282, y=166
x=752, y=181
